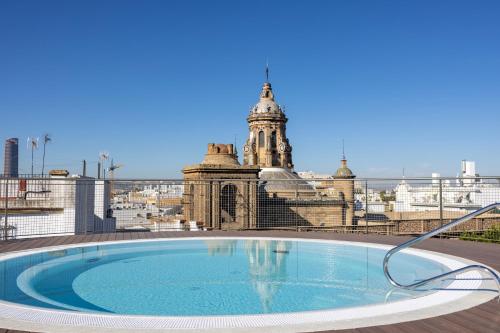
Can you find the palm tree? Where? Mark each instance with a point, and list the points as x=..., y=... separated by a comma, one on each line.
x=46, y=139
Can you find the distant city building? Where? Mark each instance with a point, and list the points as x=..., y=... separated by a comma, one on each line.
x=11, y=158
x=468, y=193
x=468, y=173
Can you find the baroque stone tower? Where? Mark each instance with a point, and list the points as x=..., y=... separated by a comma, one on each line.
x=343, y=182
x=267, y=145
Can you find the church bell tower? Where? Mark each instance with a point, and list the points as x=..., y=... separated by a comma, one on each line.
x=267, y=145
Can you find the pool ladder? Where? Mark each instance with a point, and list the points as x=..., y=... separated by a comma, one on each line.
x=434, y=233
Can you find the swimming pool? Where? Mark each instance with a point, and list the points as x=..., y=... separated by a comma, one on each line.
x=219, y=282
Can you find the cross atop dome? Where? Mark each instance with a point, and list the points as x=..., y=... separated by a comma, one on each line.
x=267, y=71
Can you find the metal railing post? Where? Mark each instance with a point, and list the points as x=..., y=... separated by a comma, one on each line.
x=296, y=206
x=366, y=207
x=441, y=201
x=158, y=202
x=5, y=227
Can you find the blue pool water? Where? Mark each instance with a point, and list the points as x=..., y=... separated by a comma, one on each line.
x=208, y=277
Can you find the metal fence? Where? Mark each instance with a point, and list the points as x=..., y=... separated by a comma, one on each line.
x=34, y=207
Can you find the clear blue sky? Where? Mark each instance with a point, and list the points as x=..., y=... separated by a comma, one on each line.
x=412, y=84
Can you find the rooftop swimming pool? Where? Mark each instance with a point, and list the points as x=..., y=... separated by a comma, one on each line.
x=208, y=281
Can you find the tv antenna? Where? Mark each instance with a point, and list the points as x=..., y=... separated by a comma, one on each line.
x=111, y=169
x=103, y=156
x=46, y=139
x=32, y=143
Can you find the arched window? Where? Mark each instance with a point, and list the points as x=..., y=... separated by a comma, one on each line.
x=273, y=139
x=228, y=203
x=262, y=139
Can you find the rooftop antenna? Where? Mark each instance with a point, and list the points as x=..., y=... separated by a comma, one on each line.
x=46, y=139
x=103, y=156
x=111, y=170
x=33, y=144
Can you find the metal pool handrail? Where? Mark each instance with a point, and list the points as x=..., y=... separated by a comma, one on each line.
x=434, y=233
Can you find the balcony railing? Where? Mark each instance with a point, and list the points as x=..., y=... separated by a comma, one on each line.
x=396, y=206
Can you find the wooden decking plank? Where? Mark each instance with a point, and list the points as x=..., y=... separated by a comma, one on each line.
x=406, y=327
x=492, y=309
x=441, y=324
x=466, y=318
x=486, y=313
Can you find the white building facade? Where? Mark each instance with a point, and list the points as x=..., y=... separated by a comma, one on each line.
x=467, y=193
x=55, y=206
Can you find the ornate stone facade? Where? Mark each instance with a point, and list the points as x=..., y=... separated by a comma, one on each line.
x=219, y=191
x=267, y=145
x=265, y=192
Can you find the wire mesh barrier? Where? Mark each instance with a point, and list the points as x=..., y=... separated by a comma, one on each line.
x=35, y=207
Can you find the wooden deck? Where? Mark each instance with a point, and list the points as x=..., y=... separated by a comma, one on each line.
x=481, y=319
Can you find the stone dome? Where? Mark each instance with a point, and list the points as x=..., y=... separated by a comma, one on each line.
x=266, y=104
x=344, y=171
x=283, y=180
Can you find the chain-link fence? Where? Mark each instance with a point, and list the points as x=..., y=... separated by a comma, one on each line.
x=34, y=207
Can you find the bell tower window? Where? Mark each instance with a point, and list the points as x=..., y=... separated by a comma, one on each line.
x=262, y=139
x=273, y=140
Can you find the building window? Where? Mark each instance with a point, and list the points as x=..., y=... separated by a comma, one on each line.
x=228, y=203
x=262, y=140
x=273, y=139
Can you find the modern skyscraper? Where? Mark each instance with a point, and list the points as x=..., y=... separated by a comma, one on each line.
x=11, y=158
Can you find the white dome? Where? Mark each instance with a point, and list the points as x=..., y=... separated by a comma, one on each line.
x=266, y=106
x=266, y=102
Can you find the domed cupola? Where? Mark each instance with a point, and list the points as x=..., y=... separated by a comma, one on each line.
x=267, y=145
x=266, y=104
x=344, y=171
